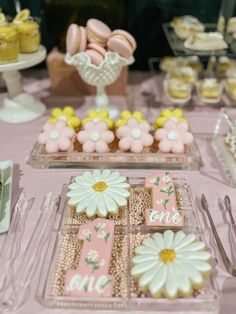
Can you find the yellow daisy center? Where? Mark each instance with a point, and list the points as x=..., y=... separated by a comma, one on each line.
x=99, y=186
x=167, y=256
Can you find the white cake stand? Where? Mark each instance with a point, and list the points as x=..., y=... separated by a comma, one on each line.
x=19, y=106
x=100, y=76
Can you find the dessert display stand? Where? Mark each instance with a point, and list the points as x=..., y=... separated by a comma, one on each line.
x=100, y=76
x=19, y=106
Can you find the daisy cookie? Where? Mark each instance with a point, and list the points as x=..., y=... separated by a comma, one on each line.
x=171, y=264
x=98, y=193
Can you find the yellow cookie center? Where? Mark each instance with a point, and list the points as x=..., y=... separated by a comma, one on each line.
x=167, y=256
x=99, y=186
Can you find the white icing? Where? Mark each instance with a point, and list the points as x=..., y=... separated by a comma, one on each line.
x=187, y=267
x=172, y=135
x=54, y=135
x=136, y=134
x=84, y=196
x=95, y=136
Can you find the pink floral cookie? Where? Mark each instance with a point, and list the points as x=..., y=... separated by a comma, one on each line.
x=173, y=137
x=57, y=137
x=95, y=137
x=134, y=136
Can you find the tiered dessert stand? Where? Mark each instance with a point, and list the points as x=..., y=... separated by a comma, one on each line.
x=19, y=106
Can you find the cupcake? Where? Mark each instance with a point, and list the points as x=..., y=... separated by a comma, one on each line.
x=177, y=89
x=230, y=87
x=185, y=74
x=210, y=89
x=28, y=30
x=9, y=44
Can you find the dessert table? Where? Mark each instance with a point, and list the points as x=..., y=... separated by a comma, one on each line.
x=16, y=142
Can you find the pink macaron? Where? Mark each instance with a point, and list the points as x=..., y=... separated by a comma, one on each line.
x=122, y=42
x=76, y=39
x=97, y=53
x=97, y=32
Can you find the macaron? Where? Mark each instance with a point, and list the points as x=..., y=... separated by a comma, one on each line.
x=76, y=39
x=96, y=53
x=97, y=32
x=122, y=42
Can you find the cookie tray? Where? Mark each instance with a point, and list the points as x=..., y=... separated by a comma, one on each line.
x=189, y=160
x=63, y=254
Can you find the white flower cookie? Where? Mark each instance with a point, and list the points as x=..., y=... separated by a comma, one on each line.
x=98, y=193
x=171, y=264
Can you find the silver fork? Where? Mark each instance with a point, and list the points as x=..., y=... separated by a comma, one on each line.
x=227, y=263
x=228, y=207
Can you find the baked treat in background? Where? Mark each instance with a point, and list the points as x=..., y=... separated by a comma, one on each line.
x=28, y=31
x=206, y=41
x=230, y=87
x=184, y=74
x=186, y=25
x=96, y=39
x=210, y=88
x=178, y=89
x=9, y=43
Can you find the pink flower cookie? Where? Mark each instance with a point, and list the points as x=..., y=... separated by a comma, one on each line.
x=134, y=136
x=95, y=137
x=57, y=137
x=173, y=136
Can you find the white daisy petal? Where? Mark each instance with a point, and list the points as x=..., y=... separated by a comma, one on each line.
x=151, y=244
x=189, y=238
x=182, y=280
x=195, y=246
x=110, y=203
x=201, y=256
x=142, y=268
x=147, y=277
x=178, y=238
x=158, y=280
x=80, y=208
x=201, y=266
x=144, y=250
x=158, y=240
x=116, y=180
x=122, y=192
x=105, y=174
x=119, y=199
x=76, y=199
x=168, y=237
x=144, y=258
x=101, y=206
x=78, y=192
x=122, y=185
x=91, y=208
x=96, y=175
x=171, y=287
x=191, y=272
x=81, y=181
x=114, y=175
x=88, y=176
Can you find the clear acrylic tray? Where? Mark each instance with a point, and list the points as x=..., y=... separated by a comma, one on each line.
x=177, y=44
x=64, y=251
x=225, y=122
x=150, y=158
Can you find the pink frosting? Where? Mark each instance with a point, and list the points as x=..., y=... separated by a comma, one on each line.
x=134, y=136
x=57, y=137
x=95, y=137
x=173, y=136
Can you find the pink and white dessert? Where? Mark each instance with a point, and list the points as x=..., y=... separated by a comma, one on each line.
x=95, y=137
x=57, y=137
x=173, y=137
x=134, y=136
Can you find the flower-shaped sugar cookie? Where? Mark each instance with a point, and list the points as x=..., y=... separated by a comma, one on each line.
x=134, y=136
x=66, y=114
x=100, y=115
x=176, y=115
x=57, y=137
x=173, y=136
x=126, y=115
x=95, y=137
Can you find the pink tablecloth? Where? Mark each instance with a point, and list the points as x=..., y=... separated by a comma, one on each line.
x=16, y=142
